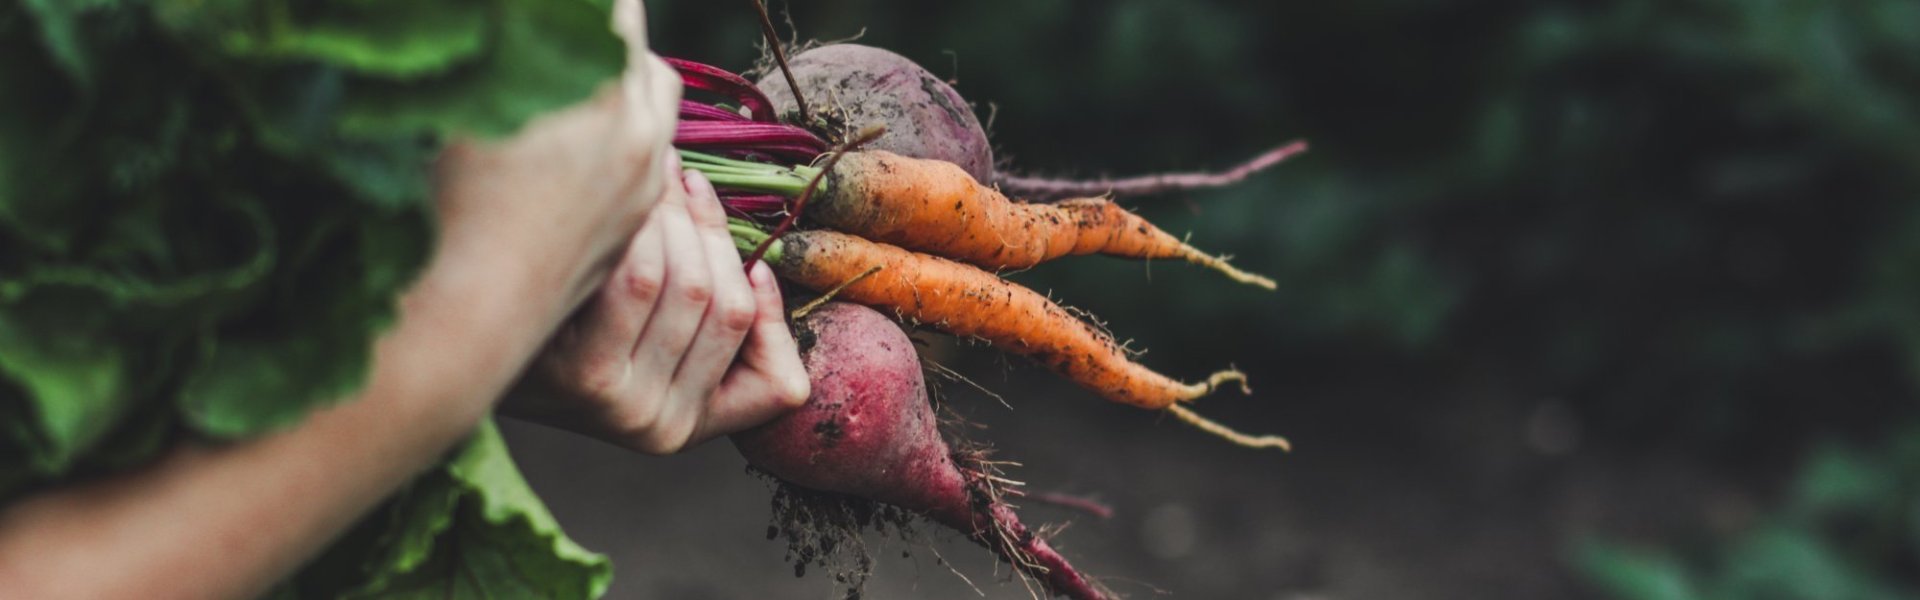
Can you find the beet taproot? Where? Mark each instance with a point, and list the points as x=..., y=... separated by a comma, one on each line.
x=868, y=430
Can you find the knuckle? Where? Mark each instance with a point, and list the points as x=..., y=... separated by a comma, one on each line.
x=637, y=421
x=696, y=292
x=596, y=378
x=736, y=317
x=666, y=439
x=642, y=286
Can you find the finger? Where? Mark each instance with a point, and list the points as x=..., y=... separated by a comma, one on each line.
x=687, y=290
x=704, y=202
x=599, y=348
x=769, y=380
x=731, y=313
x=771, y=347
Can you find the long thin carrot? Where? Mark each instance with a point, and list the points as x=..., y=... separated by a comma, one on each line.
x=968, y=302
x=935, y=207
x=965, y=301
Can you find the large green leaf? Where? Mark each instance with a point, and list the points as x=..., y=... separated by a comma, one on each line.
x=548, y=54
x=249, y=385
x=156, y=264
x=312, y=343
x=403, y=39
x=470, y=529
x=77, y=380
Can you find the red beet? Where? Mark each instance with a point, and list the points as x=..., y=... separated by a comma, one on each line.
x=863, y=85
x=869, y=431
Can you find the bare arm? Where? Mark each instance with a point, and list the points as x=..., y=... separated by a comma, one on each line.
x=226, y=522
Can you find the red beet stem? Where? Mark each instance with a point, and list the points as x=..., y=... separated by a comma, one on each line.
x=753, y=203
x=709, y=78
x=701, y=111
x=785, y=141
x=1044, y=188
x=744, y=134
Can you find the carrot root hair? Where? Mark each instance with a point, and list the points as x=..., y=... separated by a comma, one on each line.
x=1187, y=416
x=1219, y=263
x=828, y=295
x=1144, y=185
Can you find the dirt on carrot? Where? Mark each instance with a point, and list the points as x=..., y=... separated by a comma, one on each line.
x=970, y=303
x=935, y=207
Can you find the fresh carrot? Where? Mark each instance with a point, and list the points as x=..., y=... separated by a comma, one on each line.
x=965, y=301
x=968, y=302
x=933, y=206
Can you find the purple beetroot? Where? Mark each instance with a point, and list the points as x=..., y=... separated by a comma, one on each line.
x=869, y=431
x=859, y=85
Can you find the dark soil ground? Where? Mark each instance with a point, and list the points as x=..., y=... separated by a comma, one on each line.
x=1387, y=496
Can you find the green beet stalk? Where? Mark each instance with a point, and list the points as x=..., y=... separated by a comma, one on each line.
x=749, y=176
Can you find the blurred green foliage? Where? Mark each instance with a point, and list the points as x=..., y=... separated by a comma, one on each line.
x=1849, y=530
x=1694, y=219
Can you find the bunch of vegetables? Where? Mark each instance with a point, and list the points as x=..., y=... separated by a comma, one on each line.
x=207, y=210
x=875, y=198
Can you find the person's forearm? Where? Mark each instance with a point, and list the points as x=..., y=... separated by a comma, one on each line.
x=228, y=521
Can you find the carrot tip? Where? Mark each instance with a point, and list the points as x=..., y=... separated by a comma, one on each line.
x=1251, y=279
x=1220, y=264
x=1228, y=434
x=1243, y=276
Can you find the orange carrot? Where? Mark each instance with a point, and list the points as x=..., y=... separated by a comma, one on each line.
x=935, y=207
x=968, y=302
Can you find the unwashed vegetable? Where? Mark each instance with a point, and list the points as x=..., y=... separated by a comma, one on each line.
x=852, y=86
x=869, y=431
x=856, y=85
x=965, y=301
x=932, y=206
x=971, y=303
x=895, y=217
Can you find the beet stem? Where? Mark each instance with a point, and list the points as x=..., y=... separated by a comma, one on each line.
x=867, y=134
x=1159, y=183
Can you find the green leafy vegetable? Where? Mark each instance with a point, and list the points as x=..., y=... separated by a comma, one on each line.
x=472, y=529
x=403, y=39
x=207, y=211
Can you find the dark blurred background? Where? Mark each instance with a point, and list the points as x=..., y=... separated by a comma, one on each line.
x=1578, y=299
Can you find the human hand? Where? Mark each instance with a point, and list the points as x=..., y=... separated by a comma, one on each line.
x=678, y=347
x=550, y=207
